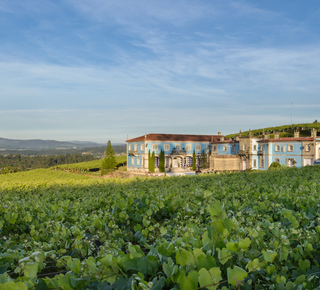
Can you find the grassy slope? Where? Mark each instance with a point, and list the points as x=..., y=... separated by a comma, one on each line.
x=89, y=164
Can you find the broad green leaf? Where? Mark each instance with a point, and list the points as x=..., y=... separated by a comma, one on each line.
x=31, y=270
x=190, y=282
x=158, y=284
x=244, y=243
x=215, y=209
x=135, y=251
x=123, y=284
x=206, y=262
x=207, y=278
x=11, y=285
x=269, y=256
x=284, y=252
x=184, y=257
x=254, y=265
x=224, y=256
x=231, y=246
x=236, y=275
x=75, y=265
x=148, y=265
x=91, y=263
x=304, y=264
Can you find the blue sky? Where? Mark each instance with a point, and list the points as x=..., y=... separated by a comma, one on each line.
x=98, y=69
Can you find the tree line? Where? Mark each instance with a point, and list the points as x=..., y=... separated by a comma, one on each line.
x=19, y=162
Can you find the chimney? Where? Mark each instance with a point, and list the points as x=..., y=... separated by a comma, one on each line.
x=314, y=133
x=276, y=135
x=296, y=134
x=222, y=138
x=219, y=133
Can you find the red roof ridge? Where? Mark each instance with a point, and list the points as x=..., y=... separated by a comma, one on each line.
x=174, y=137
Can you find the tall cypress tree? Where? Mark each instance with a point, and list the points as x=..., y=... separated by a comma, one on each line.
x=149, y=161
x=109, y=162
x=152, y=162
x=194, y=161
x=161, y=162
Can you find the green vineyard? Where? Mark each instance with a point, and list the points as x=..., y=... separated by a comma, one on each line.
x=248, y=230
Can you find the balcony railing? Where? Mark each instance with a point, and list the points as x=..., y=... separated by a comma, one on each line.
x=133, y=152
x=178, y=152
x=243, y=152
x=260, y=152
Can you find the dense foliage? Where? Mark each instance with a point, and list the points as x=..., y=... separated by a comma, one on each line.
x=95, y=151
x=255, y=230
x=33, y=162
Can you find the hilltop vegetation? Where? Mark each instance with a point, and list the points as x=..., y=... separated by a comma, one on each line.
x=285, y=130
x=248, y=230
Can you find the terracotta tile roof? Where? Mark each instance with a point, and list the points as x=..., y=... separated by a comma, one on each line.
x=287, y=139
x=225, y=141
x=176, y=137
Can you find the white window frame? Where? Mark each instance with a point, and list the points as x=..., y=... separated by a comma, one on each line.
x=290, y=148
x=244, y=147
x=132, y=160
x=138, y=160
x=254, y=147
x=283, y=148
x=178, y=146
x=141, y=147
x=277, y=148
x=215, y=148
x=166, y=147
x=224, y=148
x=188, y=147
x=135, y=147
x=129, y=146
x=198, y=147
x=155, y=147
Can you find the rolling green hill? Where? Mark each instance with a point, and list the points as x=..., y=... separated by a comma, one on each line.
x=285, y=130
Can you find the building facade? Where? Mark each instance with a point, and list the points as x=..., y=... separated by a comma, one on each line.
x=238, y=154
x=178, y=150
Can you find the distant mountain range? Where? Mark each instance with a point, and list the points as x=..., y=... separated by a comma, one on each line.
x=34, y=144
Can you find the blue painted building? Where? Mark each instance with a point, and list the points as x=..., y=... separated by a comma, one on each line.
x=178, y=150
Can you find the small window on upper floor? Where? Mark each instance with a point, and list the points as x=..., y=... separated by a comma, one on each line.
x=277, y=148
x=178, y=146
x=283, y=149
x=155, y=147
x=214, y=147
x=255, y=147
x=141, y=147
x=290, y=148
x=262, y=147
x=166, y=147
x=244, y=147
x=233, y=148
x=224, y=148
x=308, y=147
x=198, y=147
x=188, y=147
x=135, y=147
x=129, y=146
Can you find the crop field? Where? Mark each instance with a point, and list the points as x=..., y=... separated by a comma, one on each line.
x=249, y=230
